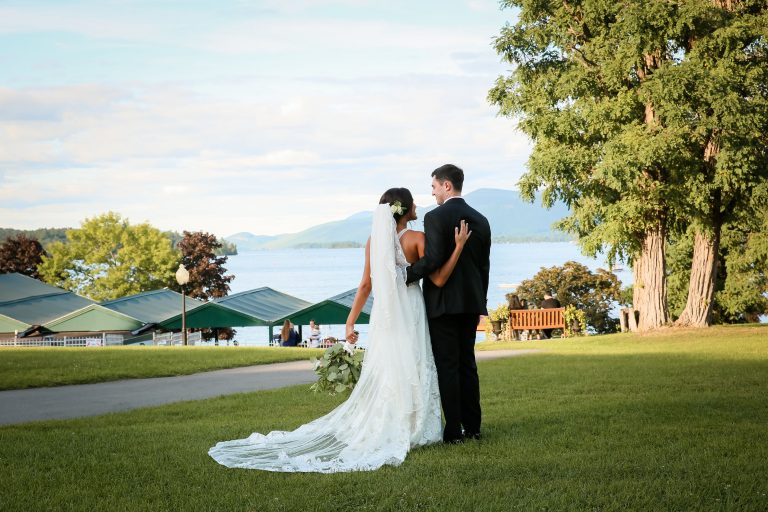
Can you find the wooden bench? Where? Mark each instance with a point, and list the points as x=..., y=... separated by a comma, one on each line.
x=535, y=319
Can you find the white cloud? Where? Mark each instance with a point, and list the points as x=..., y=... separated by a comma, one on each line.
x=132, y=157
x=298, y=121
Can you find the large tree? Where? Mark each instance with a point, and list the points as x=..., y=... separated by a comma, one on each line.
x=744, y=296
x=21, y=254
x=107, y=258
x=721, y=102
x=207, y=274
x=621, y=133
x=741, y=284
x=585, y=89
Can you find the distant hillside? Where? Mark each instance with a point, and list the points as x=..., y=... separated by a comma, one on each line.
x=248, y=241
x=43, y=235
x=511, y=219
x=227, y=248
x=46, y=236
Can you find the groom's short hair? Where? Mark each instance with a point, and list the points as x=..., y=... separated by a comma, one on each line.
x=451, y=173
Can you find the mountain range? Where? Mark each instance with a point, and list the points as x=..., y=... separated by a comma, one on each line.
x=512, y=220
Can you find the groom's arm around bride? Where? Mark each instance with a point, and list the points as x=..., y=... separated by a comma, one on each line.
x=453, y=309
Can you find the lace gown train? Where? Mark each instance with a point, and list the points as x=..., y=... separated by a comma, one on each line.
x=395, y=405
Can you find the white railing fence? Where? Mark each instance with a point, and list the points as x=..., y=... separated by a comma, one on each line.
x=175, y=338
x=91, y=340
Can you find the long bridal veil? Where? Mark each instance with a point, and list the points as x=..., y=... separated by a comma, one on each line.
x=395, y=404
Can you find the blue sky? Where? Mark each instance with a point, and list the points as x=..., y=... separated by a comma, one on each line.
x=230, y=116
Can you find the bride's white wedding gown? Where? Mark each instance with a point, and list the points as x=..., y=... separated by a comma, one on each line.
x=395, y=405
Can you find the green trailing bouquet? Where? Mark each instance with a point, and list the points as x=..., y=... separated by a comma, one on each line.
x=338, y=369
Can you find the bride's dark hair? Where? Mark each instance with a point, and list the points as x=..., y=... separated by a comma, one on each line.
x=402, y=195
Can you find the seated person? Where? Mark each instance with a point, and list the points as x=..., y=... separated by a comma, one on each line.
x=549, y=302
x=314, y=335
x=288, y=336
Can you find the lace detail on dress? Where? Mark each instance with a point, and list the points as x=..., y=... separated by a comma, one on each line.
x=401, y=264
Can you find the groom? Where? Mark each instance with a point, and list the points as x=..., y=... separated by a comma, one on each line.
x=454, y=309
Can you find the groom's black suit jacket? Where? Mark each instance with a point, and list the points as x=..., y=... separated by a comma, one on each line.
x=467, y=288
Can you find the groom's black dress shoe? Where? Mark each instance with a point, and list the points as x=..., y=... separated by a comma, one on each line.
x=475, y=436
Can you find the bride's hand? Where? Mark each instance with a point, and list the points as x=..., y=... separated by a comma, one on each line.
x=461, y=234
x=351, y=335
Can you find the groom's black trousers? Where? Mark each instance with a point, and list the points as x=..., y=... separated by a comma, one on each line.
x=453, y=344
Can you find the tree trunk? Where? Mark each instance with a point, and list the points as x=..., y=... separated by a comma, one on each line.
x=701, y=288
x=650, y=289
x=706, y=245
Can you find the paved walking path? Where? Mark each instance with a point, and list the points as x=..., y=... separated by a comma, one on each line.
x=64, y=402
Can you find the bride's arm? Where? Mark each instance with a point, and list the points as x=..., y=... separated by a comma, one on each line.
x=363, y=291
x=440, y=276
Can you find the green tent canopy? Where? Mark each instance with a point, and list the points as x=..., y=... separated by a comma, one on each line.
x=269, y=305
x=263, y=307
x=266, y=307
x=212, y=315
x=332, y=311
x=153, y=306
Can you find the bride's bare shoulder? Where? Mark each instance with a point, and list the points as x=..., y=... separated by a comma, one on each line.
x=412, y=236
x=414, y=233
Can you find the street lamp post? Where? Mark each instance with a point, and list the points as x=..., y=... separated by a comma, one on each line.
x=182, y=277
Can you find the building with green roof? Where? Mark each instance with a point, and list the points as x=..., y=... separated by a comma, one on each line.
x=332, y=311
x=152, y=307
x=265, y=307
x=31, y=306
x=262, y=307
x=94, y=318
x=34, y=303
x=9, y=325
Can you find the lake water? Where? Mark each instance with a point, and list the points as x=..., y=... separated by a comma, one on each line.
x=317, y=274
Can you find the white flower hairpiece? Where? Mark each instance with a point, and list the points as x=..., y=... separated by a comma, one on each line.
x=397, y=208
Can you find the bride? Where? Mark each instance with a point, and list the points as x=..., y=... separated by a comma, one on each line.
x=395, y=405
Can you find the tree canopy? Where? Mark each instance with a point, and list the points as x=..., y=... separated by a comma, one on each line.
x=21, y=254
x=647, y=116
x=207, y=279
x=108, y=258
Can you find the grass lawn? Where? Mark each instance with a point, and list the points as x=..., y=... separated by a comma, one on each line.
x=38, y=367
x=669, y=421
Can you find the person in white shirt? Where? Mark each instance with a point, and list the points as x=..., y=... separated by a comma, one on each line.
x=314, y=334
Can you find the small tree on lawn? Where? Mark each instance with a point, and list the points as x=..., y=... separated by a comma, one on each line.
x=21, y=254
x=207, y=279
x=207, y=274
